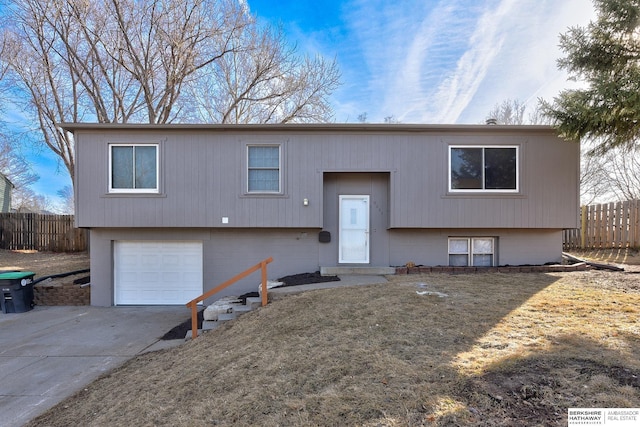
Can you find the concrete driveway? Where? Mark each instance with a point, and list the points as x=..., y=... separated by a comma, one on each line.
x=49, y=353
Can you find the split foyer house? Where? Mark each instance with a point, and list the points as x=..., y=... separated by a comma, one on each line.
x=174, y=210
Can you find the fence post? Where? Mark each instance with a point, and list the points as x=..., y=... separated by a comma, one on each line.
x=625, y=224
x=583, y=227
x=633, y=224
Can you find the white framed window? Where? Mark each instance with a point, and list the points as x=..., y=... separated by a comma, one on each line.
x=491, y=168
x=472, y=251
x=133, y=168
x=263, y=169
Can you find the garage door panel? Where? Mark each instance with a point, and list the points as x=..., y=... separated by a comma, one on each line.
x=149, y=278
x=190, y=261
x=190, y=276
x=175, y=264
x=171, y=277
x=150, y=260
x=157, y=272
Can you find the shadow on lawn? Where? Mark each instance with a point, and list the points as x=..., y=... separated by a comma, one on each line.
x=529, y=388
x=538, y=389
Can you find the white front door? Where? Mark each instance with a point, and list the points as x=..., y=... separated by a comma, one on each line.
x=354, y=230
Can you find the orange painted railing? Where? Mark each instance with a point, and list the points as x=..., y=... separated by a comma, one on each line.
x=193, y=304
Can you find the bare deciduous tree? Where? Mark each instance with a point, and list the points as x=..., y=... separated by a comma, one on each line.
x=594, y=186
x=618, y=174
x=265, y=81
x=119, y=61
x=510, y=112
x=27, y=200
x=66, y=194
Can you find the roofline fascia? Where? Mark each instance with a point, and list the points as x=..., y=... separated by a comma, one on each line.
x=307, y=127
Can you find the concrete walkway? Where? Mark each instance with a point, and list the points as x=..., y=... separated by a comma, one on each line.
x=49, y=353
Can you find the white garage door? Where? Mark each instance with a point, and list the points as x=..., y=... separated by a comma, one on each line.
x=157, y=273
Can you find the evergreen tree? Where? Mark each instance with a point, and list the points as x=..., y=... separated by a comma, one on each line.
x=606, y=56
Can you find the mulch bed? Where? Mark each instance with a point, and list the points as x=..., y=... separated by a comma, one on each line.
x=180, y=331
x=306, y=279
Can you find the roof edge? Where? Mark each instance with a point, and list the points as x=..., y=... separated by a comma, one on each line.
x=307, y=127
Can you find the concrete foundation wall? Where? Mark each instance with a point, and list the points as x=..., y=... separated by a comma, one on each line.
x=514, y=247
x=227, y=253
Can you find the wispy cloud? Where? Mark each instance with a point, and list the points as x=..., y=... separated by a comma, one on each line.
x=451, y=60
x=461, y=84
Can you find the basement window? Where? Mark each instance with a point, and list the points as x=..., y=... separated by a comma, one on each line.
x=472, y=251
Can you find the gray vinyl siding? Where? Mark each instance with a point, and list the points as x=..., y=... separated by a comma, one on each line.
x=203, y=177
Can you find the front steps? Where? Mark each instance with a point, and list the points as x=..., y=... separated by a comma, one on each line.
x=360, y=270
x=235, y=309
x=351, y=276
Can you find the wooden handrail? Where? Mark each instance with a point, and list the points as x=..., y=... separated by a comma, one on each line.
x=193, y=304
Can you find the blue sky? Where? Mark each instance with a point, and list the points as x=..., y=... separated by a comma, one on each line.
x=421, y=61
x=427, y=61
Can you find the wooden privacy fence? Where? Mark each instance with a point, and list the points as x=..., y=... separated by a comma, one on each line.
x=30, y=231
x=607, y=225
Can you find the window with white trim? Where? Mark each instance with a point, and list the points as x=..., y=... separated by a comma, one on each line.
x=263, y=169
x=483, y=169
x=472, y=251
x=133, y=168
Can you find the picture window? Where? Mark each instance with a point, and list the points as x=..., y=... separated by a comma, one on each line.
x=133, y=168
x=483, y=169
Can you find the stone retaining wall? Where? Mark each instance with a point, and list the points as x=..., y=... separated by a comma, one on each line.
x=61, y=294
x=503, y=269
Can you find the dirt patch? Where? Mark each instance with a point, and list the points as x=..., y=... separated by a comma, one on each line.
x=528, y=392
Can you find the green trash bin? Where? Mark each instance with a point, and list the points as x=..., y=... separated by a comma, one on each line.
x=16, y=291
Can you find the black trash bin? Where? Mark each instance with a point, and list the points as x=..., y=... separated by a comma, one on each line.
x=16, y=291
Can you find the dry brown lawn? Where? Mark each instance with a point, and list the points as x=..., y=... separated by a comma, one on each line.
x=43, y=263
x=497, y=350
